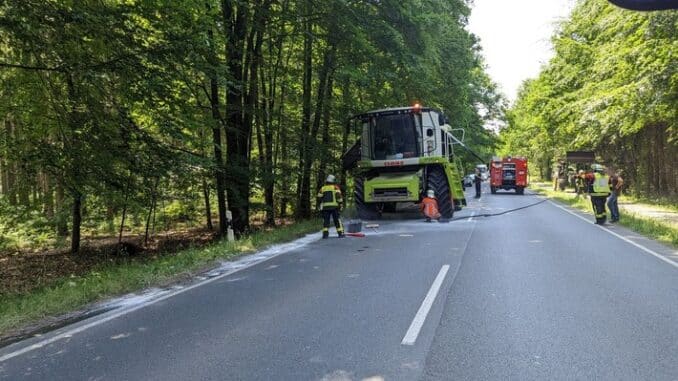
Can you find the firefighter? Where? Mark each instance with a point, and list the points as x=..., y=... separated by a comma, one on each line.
x=599, y=188
x=579, y=182
x=330, y=200
x=616, y=183
x=429, y=206
x=477, y=179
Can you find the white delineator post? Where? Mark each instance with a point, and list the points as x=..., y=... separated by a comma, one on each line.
x=230, y=236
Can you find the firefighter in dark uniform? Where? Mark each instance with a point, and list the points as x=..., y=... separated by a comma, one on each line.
x=330, y=200
x=599, y=188
x=579, y=182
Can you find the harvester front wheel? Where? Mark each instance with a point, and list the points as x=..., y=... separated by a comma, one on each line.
x=437, y=180
x=365, y=211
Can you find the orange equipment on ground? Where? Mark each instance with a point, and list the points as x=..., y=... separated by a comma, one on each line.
x=508, y=173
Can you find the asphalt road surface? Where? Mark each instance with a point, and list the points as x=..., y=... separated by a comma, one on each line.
x=539, y=293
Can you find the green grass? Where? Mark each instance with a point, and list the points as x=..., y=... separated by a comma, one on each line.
x=73, y=293
x=649, y=227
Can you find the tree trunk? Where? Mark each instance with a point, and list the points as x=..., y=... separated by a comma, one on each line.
x=310, y=145
x=3, y=177
x=304, y=201
x=61, y=212
x=219, y=172
x=208, y=209
x=281, y=157
x=10, y=169
x=77, y=219
x=346, y=99
x=151, y=209
x=122, y=220
x=237, y=134
x=325, y=153
x=48, y=197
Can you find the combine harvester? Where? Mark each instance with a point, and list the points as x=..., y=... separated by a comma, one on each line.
x=400, y=153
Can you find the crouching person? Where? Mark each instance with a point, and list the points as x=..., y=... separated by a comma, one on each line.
x=330, y=200
x=429, y=206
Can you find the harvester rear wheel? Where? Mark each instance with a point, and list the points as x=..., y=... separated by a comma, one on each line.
x=437, y=180
x=365, y=211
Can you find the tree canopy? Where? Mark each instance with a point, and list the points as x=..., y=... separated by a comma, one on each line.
x=612, y=87
x=114, y=108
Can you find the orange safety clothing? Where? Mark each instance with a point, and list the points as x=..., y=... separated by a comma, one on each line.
x=429, y=206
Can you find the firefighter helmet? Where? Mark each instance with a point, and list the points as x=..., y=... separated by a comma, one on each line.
x=330, y=179
x=598, y=168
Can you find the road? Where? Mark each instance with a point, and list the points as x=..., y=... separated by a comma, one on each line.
x=539, y=293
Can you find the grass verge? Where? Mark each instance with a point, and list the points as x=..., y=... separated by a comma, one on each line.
x=649, y=227
x=17, y=310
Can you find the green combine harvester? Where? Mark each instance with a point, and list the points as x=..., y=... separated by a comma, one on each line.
x=400, y=153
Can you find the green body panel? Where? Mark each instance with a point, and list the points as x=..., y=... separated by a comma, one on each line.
x=393, y=181
x=433, y=160
x=454, y=179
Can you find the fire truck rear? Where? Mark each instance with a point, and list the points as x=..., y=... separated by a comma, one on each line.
x=508, y=173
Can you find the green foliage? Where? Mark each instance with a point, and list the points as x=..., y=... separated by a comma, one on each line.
x=111, y=103
x=611, y=88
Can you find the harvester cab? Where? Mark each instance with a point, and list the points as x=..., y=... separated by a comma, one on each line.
x=400, y=153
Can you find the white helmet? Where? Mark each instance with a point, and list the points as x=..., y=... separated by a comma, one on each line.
x=330, y=179
x=598, y=168
x=430, y=193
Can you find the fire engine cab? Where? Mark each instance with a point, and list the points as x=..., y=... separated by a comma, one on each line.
x=508, y=173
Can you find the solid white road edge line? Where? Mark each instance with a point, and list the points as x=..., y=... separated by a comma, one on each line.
x=641, y=247
x=419, y=319
x=124, y=311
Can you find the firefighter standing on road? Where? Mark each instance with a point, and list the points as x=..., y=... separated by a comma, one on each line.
x=599, y=188
x=477, y=179
x=330, y=200
x=429, y=206
x=616, y=183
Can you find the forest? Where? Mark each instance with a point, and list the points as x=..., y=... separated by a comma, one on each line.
x=128, y=117
x=612, y=88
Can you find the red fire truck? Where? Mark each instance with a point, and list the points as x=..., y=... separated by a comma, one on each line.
x=508, y=173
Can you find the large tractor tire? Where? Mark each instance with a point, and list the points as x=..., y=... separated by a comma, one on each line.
x=438, y=182
x=493, y=190
x=520, y=190
x=365, y=211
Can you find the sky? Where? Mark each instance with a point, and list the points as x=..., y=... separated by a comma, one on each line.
x=515, y=37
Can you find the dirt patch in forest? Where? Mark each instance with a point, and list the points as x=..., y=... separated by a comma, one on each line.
x=24, y=271
x=27, y=270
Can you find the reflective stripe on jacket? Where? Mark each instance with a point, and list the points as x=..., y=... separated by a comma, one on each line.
x=330, y=197
x=601, y=185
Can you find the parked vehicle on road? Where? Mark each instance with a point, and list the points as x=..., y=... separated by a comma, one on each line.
x=508, y=173
x=468, y=180
x=400, y=154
